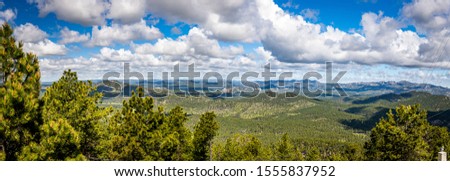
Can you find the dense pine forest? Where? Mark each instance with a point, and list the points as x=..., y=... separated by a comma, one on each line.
x=72, y=121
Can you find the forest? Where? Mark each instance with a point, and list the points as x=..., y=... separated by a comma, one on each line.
x=72, y=121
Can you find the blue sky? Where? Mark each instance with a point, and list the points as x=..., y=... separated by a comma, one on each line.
x=371, y=40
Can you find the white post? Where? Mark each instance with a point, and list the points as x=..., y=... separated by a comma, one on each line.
x=442, y=155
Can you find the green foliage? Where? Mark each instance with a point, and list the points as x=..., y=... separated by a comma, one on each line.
x=285, y=150
x=19, y=91
x=313, y=154
x=242, y=147
x=76, y=102
x=60, y=141
x=141, y=133
x=71, y=121
x=176, y=127
x=406, y=135
x=204, y=132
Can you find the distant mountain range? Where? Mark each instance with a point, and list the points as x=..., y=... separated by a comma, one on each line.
x=352, y=89
x=395, y=87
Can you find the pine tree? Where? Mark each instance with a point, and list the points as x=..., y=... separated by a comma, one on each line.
x=136, y=130
x=204, y=133
x=19, y=90
x=242, y=147
x=285, y=150
x=71, y=105
x=60, y=142
x=77, y=102
x=406, y=135
x=313, y=154
x=176, y=127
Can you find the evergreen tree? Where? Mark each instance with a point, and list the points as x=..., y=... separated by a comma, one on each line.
x=60, y=142
x=136, y=130
x=406, y=135
x=77, y=102
x=313, y=154
x=176, y=127
x=285, y=150
x=242, y=147
x=71, y=105
x=19, y=90
x=204, y=132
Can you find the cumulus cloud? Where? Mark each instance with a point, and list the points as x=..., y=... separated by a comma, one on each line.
x=84, y=12
x=29, y=33
x=127, y=11
x=122, y=33
x=45, y=48
x=428, y=16
x=195, y=44
x=7, y=15
x=287, y=39
x=379, y=30
x=70, y=36
x=228, y=20
x=290, y=38
x=121, y=55
x=36, y=41
x=431, y=18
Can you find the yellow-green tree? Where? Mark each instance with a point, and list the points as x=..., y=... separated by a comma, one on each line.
x=19, y=92
x=60, y=142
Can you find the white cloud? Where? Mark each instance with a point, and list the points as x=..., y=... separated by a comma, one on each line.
x=84, y=12
x=7, y=15
x=35, y=41
x=431, y=18
x=428, y=16
x=127, y=11
x=29, y=33
x=378, y=30
x=45, y=48
x=195, y=44
x=290, y=38
x=70, y=36
x=107, y=35
x=287, y=39
x=228, y=20
x=121, y=55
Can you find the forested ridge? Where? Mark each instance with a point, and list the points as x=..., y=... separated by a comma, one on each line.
x=68, y=123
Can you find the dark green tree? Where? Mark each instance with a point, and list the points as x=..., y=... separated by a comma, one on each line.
x=136, y=130
x=19, y=90
x=176, y=127
x=204, y=132
x=405, y=135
